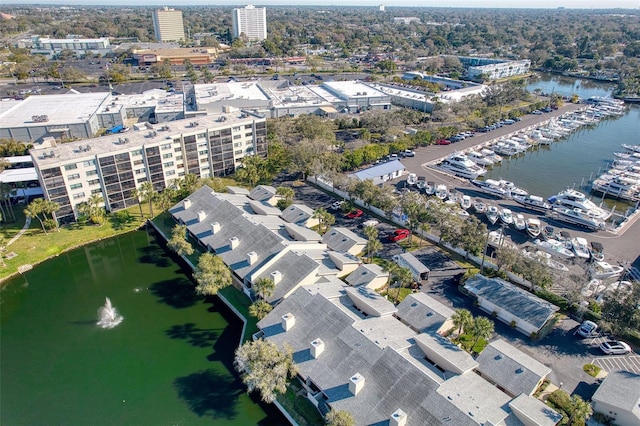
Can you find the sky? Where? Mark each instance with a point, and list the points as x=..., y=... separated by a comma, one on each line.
x=537, y=4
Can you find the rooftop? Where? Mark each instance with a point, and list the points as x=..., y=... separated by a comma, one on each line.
x=535, y=411
x=620, y=389
x=376, y=171
x=422, y=312
x=353, y=89
x=216, y=92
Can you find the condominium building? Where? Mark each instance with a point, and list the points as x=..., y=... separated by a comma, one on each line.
x=114, y=166
x=167, y=24
x=250, y=21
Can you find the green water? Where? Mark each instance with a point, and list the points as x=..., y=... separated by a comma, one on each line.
x=168, y=363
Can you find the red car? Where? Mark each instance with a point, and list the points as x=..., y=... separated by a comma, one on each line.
x=354, y=214
x=398, y=234
x=443, y=142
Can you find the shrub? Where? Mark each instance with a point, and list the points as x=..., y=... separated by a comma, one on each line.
x=561, y=400
x=591, y=369
x=553, y=298
x=494, y=314
x=513, y=323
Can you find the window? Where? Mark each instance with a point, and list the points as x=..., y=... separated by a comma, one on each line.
x=71, y=167
x=167, y=155
x=140, y=171
x=238, y=152
x=92, y=173
x=248, y=135
x=236, y=129
x=237, y=144
x=237, y=136
x=168, y=164
x=78, y=195
x=166, y=146
x=136, y=153
x=178, y=149
x=76, y=186
x=203, y=152
x=142, y=180
x=178, y=157
x=94, y=182
x=74, y=176
x=170, y=172
x=138, y=162
x=96, y=191
x=89, y=163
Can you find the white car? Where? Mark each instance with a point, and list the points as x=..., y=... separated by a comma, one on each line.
x=587, y=328
x=409, y=153
x=337, y=205
x=370, y=222
x=615, y=348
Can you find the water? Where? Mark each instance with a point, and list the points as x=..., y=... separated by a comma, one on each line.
x=169, y=363
x=573, y=161
x=108, y=316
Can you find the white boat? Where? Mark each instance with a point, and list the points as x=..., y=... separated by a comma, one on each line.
x=533, y=202
x=479, y=206
x=578, y=217
x=575, y=199
x=618, y=186
x=498, y=239
x=430, y=188
x=596, y=250
x=491, y=155
x=632, y=148
x=532, y=225
x=492, y=214
x=460, y=165
x=491, y=187
x=421, y=184
x=602, y=270
x=512, y=188
x=519, y=222
x=506, y=216
x=545, y=259
x=555, y=248
x=441, y=191
x=635, y=156
x=412, y=179
x=479, y=159
x=465, y=202
x=580, y=247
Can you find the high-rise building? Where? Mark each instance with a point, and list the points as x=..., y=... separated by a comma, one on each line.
x=167, y=24
x=251, y=21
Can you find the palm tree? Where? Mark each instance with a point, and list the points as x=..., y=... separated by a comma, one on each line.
x=482, y=328
x=403, y=277
x=264, y=287
x=34, y=209
x=373, y=246
x=211, y=274
x=138, y=194
x=581, y=410
x=325, y=219
x=148, y=194
x=462, y=319
x=260, y=309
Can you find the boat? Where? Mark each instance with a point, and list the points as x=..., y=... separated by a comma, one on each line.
x=491, y=155
x=578, y=217
x=533, y=202
x=596, y=250
x=545, y=259
x=548, y=232
x=632, y=148
x=623, y=187
x=512, y=188
x=441, y=191
x=497, y=239
x=519, y=222
x=601, y=270
x=465, y=202
x=580, y=247
x=555, y=248
x=430, y=188
x=635, y=156
x=412, y=179
x=506, y=216
x=421, y=184
x=479, y=206
x=491, y=187
x=479, y=159
x=571, y=198
x=492, y=214
x=454, y=197
x=532, y=226
x=460, y=165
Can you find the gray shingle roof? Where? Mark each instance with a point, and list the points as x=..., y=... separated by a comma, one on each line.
x=300, y=233
x=620, y=389
x=365, y=273
x=434, y=345
x=342, y=239
x=507, y=296
x=261, y=208
x=535, y=410
x=294, y=268
x=422, y=312
x=370, y=302
x=297, y=213
x=510, y=368
x=379, y=170
x=262, y=193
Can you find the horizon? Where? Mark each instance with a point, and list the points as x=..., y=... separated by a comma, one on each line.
x=456, y=4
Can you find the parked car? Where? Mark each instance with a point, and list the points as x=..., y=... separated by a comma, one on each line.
x=370, y=222
x=587, y=328
x=615, y=348
x=409, y=153
x=443, y=142
x=337, y=205
x=536, y=112
x=398, y=234
x=355, y=213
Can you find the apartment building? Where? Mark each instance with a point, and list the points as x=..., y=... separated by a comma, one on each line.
x=167, y=24
x=114, y=166
x=250, y=21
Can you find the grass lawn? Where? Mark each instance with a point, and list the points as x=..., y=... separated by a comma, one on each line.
x=467, y=340
x=299, y=407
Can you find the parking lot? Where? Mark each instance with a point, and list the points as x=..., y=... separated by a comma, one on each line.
x=619, y=362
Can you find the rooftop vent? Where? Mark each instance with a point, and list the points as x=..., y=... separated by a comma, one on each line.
x=356, y=383
x=252, y=257
x=276, y=276
x=398, y=418
x=186, y=203
x=201, y=215
x=317, y=347
x=233, y=242
x=215, y=227
x=288, y=321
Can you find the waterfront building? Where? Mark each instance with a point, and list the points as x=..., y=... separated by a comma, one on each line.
x=167, y=24
x=250, y=21
x=492, y=69
x=113, y=166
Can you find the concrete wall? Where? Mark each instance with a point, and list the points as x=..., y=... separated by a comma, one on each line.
x=621, y=417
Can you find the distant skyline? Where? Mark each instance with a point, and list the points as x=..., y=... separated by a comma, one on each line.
x=484, y=4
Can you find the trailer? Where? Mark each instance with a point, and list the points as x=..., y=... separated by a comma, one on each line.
x=418, y=269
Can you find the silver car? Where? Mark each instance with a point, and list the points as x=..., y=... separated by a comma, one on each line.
x=615, y=348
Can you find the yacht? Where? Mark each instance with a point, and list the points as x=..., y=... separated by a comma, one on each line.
x=519, y=222
x=545, y=259
x=430, y=188
x=491, y=187
x=421, y=183
x=441, y=191
x=632, y=148
x=533, y=202
x=479, y=207
x=618, y=186
x=571, y=199
x=492, y=214
x=465, y=202
x=479, y=159
x=412, y=179
x=512, y=188
x=555, y=248
x=506, y=216
x=602, y=270
x=460, y=165
x=532, y=225
x=491, y=155
x=580, y=247
x=578, y=217
x=635, y=156
x=498, y=239
x=596, y=251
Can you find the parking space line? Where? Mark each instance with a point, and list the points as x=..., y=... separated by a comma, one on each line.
x=615, y=363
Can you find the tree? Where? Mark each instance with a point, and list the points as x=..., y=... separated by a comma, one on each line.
x=178, y=241
x=472, y=235
x=373, y=246
x=33, y=210
x=92, y=209
x=287, y=195
x=402, y=277
x=481, y=328
x=260, y=309
x=211, y=274
x=265, y=368
x=619, y=308
x=339, y=418
x=462, y=319
x=149, y=194
x=325, y=219
x=43, y=207
x=581, y=410
x=264, y=287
